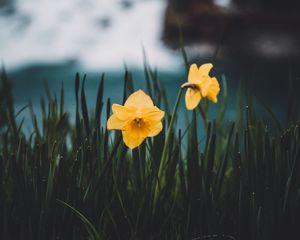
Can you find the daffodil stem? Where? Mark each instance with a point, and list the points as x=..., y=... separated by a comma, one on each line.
x=204, y=116
x=161, y=176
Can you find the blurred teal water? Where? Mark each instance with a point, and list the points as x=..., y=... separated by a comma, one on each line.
x=28, y=84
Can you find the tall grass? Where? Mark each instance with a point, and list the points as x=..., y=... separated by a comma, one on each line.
x=78, y=181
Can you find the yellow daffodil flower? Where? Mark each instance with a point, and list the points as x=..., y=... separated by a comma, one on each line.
x=137, y=119
x=200, y=85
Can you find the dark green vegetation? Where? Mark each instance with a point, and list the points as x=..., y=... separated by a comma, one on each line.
x=78, y=181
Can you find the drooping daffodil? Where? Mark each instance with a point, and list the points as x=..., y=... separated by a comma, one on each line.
x=200, y=85
x=137, y=119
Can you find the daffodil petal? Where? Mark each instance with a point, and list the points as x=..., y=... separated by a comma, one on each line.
x=130, y=141
x=204, y=85
x=152, y=114
x=155, y=129
x=204, y=69
x=139, y=99
x=213, y=90
x=115, y=123
x=194, y=76
x=121, y=112
x=192, y=98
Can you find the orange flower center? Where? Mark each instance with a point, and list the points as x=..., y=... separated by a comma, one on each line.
x=138, y=128
x=138, y=121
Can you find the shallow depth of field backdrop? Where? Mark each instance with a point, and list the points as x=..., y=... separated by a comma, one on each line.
x=44, y=40
x=254, y=47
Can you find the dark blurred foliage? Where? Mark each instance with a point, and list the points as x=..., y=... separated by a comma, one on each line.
x=271, y=6
x=202, y=20
x=5, y=97
x=184, y=4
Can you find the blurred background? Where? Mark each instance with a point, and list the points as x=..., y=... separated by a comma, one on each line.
x=256, y=41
